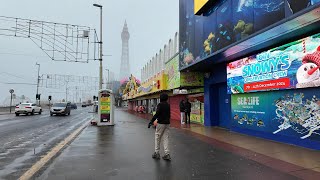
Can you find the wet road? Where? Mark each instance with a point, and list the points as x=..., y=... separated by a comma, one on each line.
x=25, y=139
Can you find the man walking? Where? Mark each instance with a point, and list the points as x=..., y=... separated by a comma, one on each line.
x=187, y=110
x=162, y=127
x=182, y=111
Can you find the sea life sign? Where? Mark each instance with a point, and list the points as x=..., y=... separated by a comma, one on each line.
x=294, y=65
x=294, y=113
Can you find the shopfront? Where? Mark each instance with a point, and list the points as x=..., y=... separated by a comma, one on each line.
x=144, y=97
x=261, y=67
x=182, y=85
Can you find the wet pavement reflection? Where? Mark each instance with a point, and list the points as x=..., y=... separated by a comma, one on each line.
x=124, y=152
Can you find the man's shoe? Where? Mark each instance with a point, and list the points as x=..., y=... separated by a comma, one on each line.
x=156, y=155
x=167, y=157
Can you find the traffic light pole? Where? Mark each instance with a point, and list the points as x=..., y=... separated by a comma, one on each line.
x=38, y=82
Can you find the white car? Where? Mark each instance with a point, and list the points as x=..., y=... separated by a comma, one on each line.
x=27, y=108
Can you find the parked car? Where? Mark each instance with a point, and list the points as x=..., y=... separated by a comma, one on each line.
x=60, y=109
x=74, y=106
x=27, y=108
x=84, y=104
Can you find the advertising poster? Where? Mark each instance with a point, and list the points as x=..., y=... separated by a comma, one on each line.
x=294, y=65
x=105, y=107
x=195, y=115
x=172, y=69
x=293, y=113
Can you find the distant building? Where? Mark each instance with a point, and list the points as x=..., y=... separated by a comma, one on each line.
x=125, y=65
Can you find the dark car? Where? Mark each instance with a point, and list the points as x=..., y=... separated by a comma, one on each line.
x=60, y=109
x=74, y=106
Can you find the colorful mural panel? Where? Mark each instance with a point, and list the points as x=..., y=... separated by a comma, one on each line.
x=293, y=113
x=202, y=36
x=191, y=79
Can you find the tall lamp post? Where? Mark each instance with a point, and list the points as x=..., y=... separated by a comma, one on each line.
x=100, y=68
x=38, y=82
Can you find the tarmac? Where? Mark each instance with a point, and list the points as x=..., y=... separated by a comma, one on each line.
x=124, y=152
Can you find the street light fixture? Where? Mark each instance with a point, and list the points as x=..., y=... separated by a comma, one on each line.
x=97, y=5
x=100, y=68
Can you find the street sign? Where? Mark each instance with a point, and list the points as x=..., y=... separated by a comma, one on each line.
x=11, y=91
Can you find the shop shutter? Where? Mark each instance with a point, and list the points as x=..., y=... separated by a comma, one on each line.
x=174, y=105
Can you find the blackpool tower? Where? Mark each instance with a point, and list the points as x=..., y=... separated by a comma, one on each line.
x=125, y=65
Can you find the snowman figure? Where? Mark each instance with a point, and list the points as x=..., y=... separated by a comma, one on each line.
x=308, y=74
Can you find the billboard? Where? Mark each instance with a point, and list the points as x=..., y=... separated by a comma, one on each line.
x=288, y=113
x=202, y=36
x=172, y=69
x=294, y=65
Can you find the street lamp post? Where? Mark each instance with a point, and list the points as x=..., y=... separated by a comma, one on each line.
x=100, y=68
x=38, y=82
x=107, y=84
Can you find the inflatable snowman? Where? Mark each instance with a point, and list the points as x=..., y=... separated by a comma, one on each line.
x=308, y=74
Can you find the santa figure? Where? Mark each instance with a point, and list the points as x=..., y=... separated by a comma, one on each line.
x=308, y=74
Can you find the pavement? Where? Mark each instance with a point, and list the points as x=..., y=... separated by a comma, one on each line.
x=124, y=152
x=26, y=139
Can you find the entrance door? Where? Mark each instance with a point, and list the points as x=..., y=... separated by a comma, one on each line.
x=220, y=107
x=224, y=106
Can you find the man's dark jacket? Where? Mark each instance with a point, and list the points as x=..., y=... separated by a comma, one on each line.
x=182, y=107
x=188, y=106
x=163, y=111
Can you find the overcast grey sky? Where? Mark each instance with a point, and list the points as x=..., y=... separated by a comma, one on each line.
x=151, y=24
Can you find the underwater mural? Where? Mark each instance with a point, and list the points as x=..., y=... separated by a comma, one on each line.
x=291, y=66
x=228, y=22
x=290, y=113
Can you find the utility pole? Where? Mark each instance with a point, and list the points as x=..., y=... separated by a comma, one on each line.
x=38, y=82
x=107, y=84
x=66, y=91
x=100, y=68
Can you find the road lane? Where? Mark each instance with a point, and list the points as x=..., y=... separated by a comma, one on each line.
x=25, y=139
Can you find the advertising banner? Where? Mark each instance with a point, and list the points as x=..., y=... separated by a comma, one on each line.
x=105, y=107
x=294, y=65
x=294, y=113
x=172, y=69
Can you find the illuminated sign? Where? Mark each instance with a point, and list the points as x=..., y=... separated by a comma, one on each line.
x=294, y=65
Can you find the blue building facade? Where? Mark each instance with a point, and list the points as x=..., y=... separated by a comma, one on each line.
x=261, y=60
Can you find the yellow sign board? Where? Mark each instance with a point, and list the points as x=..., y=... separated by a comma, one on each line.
x=105, y=107
x=198, y=5
x=105, y=99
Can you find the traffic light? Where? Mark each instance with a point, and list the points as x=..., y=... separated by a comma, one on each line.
x=49, y=98
x=95, y=98
x=38, y=96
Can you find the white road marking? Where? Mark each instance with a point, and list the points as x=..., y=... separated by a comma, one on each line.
x=44, y=160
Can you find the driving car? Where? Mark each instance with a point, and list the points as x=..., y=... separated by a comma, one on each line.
x=27, y=108
x=60, y=109
x=74, y=106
